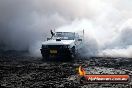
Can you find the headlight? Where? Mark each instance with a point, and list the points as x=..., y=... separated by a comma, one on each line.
x=44, y=46
x=67, y=46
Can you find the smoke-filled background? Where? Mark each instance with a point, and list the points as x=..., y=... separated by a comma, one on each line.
x=24, y=24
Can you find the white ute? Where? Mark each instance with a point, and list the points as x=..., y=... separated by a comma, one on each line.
x=62, y=46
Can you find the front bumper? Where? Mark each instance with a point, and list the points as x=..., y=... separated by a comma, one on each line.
x=57, y=54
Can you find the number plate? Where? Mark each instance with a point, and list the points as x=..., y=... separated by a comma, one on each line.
x=53, y=51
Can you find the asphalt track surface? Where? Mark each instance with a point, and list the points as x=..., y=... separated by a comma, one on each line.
x=22, y=71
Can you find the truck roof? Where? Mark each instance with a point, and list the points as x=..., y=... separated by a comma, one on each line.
x=64, y=30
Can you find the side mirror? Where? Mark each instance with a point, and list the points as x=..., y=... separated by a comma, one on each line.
x=48, y=39
x=79, y=39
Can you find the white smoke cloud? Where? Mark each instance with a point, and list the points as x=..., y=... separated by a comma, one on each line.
x=121, y=45
x=25, y=22
x=117, y=52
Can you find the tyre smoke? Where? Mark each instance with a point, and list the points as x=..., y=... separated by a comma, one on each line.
x=107, y=24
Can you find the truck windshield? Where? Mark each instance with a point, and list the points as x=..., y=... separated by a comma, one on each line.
x=65, y=35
